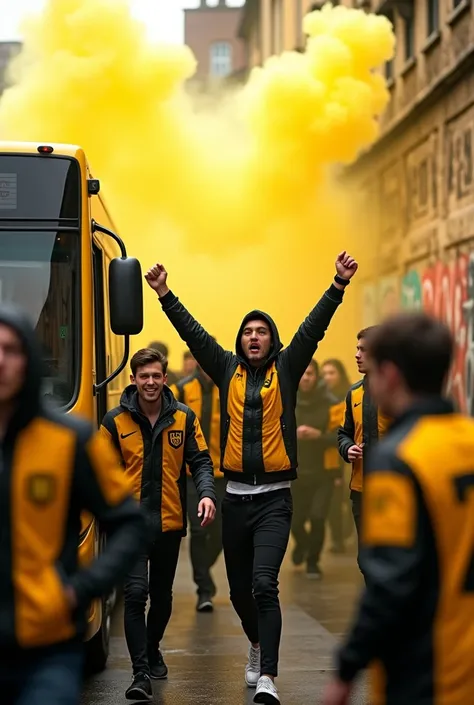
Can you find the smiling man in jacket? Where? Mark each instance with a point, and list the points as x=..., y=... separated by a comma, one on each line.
x=52, y=466
x=258, y=387
x=157, y=437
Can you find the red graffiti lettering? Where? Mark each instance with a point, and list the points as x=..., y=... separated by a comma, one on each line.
x=445, y=292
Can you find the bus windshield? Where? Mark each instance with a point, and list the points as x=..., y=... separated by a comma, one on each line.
x=38, y=188
x=39, y=258
x=39, y=272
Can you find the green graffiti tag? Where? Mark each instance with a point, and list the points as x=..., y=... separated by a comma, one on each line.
x=411, y=292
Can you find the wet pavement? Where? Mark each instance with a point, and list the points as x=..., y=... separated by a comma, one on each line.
x=206, y=653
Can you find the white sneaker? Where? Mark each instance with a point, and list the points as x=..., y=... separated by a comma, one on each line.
x=266, y=692
x=252, y=669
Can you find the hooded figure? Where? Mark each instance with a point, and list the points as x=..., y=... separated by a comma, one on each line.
x=25, y=399
x=52, y=467
x=257, y=386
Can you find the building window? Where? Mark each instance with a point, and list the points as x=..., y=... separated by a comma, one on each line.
x=221, y=59
x=433, y=16
x=409, y=23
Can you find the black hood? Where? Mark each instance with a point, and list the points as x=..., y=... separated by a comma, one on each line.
x=259, y=316
x=29, y=399
x=129, y=400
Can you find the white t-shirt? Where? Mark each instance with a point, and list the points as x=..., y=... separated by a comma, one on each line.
x=241, y=488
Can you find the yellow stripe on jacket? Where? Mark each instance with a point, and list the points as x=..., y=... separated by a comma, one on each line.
x=332, y=459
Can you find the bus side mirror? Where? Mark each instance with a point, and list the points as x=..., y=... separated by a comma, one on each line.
x=126, y=296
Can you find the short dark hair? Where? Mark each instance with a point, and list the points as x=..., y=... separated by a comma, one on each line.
x=147, y=356
x=365, y=332
x=161, y=347
x=187, y=355
x=315, y=366
x=420, y=346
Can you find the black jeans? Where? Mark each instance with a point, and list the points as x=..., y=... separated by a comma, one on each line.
x=49, y=676
x=157, y=583
x=311, y=501
x=205, y=545
x=335, y=515
x=255, y=533
x=356, y=499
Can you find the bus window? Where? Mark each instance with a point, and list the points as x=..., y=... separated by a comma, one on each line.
x=38, y=188
x=39, y=272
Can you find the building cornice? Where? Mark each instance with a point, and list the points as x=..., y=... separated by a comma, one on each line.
x=425, y=100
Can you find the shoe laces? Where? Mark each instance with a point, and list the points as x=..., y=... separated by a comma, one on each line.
x=254, y=658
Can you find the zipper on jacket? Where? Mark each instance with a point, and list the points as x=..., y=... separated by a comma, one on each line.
x=155, y=435
x=255, y=379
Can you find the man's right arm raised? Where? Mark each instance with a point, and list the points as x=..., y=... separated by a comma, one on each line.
x=210, y=355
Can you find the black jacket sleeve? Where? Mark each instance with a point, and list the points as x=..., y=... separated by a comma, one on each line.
x=210, y=355
x=297, y=356
x=102, y=488
x=394, y=522
x=196, y=455
x=345, y=433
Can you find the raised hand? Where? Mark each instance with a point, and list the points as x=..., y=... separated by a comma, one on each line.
x=156, y=279
x=346, y=266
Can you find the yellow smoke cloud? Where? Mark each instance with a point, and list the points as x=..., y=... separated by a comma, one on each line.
x=234, y=200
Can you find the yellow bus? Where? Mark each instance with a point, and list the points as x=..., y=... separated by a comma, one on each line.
x=62, y=261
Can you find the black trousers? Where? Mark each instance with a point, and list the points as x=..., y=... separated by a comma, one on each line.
x=205, y=545
x=312, y=496
x=255, y=533
x=335, y=514
x=356, y=499
x=157, y=583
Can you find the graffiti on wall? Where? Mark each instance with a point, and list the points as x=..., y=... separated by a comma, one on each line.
x=446, y=290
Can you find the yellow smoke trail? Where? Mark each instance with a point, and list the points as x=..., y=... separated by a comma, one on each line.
x=235, y=201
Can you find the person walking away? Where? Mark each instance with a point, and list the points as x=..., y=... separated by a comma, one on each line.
x=313, y=490
x=363, y=425
x=337, y=381
x=52, y=467
x=415, y=621
x=157, y=437
x=201, y=394
x=257, y=388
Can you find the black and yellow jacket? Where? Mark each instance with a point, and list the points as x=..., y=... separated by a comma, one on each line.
x=258, y=425
x=319, y=409
x=52, y=467
x=415, y=622
x=155, y=458
x=363, y=423
x=202, y=396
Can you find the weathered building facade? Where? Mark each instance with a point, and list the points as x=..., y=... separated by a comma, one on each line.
x=416, y=184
